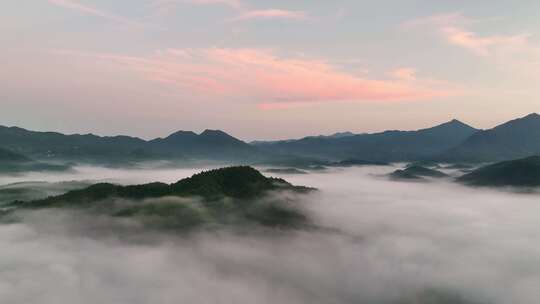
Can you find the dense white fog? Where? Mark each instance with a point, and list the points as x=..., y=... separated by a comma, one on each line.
x=383, y=241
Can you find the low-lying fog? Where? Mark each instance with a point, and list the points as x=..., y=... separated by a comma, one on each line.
x=387, y=241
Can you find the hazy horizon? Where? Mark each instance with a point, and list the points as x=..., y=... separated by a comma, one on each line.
x=263, y=139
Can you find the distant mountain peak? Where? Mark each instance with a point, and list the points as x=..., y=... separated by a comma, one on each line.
x=182, y=133
x=528, y=121
x=454, y=123
x=342, y=134
x=213, y=132
x=532, y=116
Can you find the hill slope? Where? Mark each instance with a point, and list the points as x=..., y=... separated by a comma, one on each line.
x=227, y=195
x=416, y=172
x=385, y=147
x=7, y=156
x=91, y=148
x=523, y=172
x=52, y=145
x=210, y=144
x=514, y=139
x=15, y=163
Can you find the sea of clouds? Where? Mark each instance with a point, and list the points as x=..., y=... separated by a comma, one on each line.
x=379, y=241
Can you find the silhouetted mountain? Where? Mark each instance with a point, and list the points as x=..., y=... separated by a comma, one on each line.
x=228, y=195
x=124, y=149
x=271, y=142
x=211, y=144
x=52, y=145
x=340, y=135
x=386, y=146
x=523, y=172
x=416, y=172
x=514, y=139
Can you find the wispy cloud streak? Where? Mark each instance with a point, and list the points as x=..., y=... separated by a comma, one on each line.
x=260, y=75
x=271, y=14
x=88, y=10
x=455, y=29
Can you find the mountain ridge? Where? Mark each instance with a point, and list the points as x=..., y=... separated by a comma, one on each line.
x=390, y=145
x=514, y=139
x=45, y=145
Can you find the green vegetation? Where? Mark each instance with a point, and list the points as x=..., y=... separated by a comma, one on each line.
x=416, y=173
x=27, y=191
x=524, y=172
x=223, y=196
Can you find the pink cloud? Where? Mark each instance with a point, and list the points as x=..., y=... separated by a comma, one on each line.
x=271, y=14
x=236, y=4
x=88, y=10
x=405, y=74
x=453, y=28
x=483, y=46
x=261, y=76
x=231, y=3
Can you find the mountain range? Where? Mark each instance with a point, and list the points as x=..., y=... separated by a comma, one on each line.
x=210, y=144
x=515, y=139
x=453, y=141
x=386, y=146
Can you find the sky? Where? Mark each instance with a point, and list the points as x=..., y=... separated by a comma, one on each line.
x=266, y=69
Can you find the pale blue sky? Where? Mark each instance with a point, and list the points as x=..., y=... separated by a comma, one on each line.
x=265, y=69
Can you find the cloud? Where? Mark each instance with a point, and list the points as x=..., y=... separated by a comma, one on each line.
x=455, y=30
x=263, y=77
x=408, y=245
x=88, y=10
x=486, y=45
x=240, y=8
x=235, y=4
x=271, y=14
x=405, y=74
x=231, y=3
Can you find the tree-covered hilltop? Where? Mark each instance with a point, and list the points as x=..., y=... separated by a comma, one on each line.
x=26, y=191
x=416, y=172
x=524, y=172
x=220, y=196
